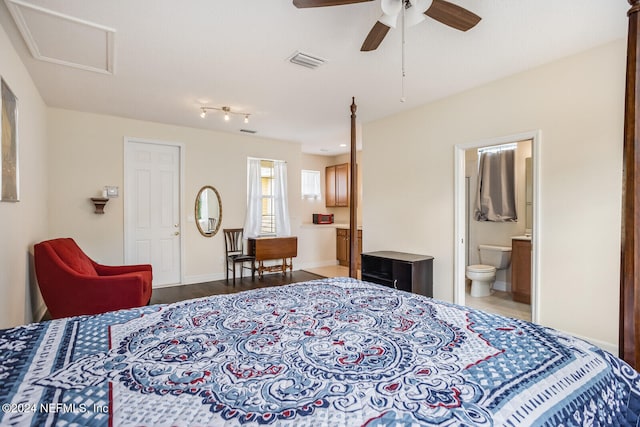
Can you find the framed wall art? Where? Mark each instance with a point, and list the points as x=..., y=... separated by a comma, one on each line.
x=9, y=143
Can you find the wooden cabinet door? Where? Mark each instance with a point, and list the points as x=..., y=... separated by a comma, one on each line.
x=342, y=185
x=330, y=186
x=521, y=270
x=342, y=246
x=403, y=275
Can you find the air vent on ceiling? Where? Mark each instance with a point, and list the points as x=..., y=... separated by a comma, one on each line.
x=306, y=60
x=248, y=130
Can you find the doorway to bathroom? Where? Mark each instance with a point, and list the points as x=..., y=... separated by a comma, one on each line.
x=513, y=290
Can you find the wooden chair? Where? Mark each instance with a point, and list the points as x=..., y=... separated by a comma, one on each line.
x=233, y=245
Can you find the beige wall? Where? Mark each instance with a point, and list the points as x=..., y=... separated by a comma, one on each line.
x=87, y=154
x=577, y=103
x=23, y=223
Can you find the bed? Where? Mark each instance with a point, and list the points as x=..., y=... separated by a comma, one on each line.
x=328, y=352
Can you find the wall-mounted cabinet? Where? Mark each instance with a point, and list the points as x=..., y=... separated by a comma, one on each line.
x=337, y=185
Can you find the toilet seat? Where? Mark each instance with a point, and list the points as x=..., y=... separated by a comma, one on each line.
x=482, y=277
x=481, y=268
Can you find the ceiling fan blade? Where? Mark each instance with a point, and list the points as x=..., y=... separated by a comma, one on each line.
x=321, y=3
x=375, y=37
x=452, y=15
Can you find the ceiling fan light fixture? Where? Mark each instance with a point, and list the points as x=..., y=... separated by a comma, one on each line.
x=389, y=20
x=391, y=7
x=413, y=16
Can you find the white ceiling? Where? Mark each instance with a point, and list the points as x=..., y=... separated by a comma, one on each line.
x=171, y=57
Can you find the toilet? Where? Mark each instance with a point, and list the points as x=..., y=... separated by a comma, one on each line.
x=483, y=275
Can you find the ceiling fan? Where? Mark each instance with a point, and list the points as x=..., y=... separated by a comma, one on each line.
x=413, y=12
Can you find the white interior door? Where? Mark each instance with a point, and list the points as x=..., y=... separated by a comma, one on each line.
x=152, y=208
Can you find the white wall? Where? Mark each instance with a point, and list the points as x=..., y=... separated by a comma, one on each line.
x=87, y=154
x=578, y=104
x=23, y=223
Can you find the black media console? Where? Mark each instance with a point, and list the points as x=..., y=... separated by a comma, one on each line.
x=399, y=270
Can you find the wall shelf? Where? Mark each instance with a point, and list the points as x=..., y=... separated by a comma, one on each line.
x=99, y=203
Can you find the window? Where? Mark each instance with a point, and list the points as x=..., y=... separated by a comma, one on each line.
x=267, y=205
x=268, y=215
x=311, y=184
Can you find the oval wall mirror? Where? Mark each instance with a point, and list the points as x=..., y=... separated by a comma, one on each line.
x=208, y=211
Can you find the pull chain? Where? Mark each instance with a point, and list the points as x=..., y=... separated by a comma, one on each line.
x=402, y=98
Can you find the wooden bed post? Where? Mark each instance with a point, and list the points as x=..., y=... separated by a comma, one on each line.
x=353, y=226
x=629, y=334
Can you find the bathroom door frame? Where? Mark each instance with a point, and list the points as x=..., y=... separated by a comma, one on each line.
x=460, y=215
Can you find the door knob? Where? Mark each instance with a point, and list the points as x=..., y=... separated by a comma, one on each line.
x=177, y=233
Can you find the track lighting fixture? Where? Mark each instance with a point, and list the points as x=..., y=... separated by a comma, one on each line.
x=227, y=113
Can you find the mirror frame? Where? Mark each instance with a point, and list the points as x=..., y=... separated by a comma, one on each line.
x=195, y=210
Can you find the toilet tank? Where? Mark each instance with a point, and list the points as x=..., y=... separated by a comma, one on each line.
x=497, y=256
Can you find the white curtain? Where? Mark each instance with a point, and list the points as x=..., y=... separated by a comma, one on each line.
x=496, y=193
x=253, y=220
x=283, y=225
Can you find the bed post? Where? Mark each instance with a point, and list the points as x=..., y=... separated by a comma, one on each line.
x=629, y=334
x=353, y=226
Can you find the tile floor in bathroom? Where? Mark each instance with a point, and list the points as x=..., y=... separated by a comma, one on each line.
x=499, y=302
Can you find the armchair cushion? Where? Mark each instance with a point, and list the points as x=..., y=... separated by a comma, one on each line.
x=70, y=254
x=73, y=284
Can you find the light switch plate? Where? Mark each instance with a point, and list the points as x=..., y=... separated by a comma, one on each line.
x=112, y=191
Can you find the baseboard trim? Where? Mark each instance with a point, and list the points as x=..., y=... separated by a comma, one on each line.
x=611, y=348
x=501, y=285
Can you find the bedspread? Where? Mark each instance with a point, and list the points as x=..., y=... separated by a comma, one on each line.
x=327, y=352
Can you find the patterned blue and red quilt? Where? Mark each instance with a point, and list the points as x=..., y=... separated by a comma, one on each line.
x=330, y=352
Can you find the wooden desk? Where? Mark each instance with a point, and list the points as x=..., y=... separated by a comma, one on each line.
x=272, y=248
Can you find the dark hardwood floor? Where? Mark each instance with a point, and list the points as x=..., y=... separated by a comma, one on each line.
x=197, y=290
x=183, y=292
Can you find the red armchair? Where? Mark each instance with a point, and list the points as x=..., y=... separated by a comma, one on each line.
x=73, y=284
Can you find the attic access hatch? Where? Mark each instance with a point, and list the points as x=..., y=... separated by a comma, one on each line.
x=61, y=39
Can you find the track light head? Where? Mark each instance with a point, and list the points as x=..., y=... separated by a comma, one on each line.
x=226, y=110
